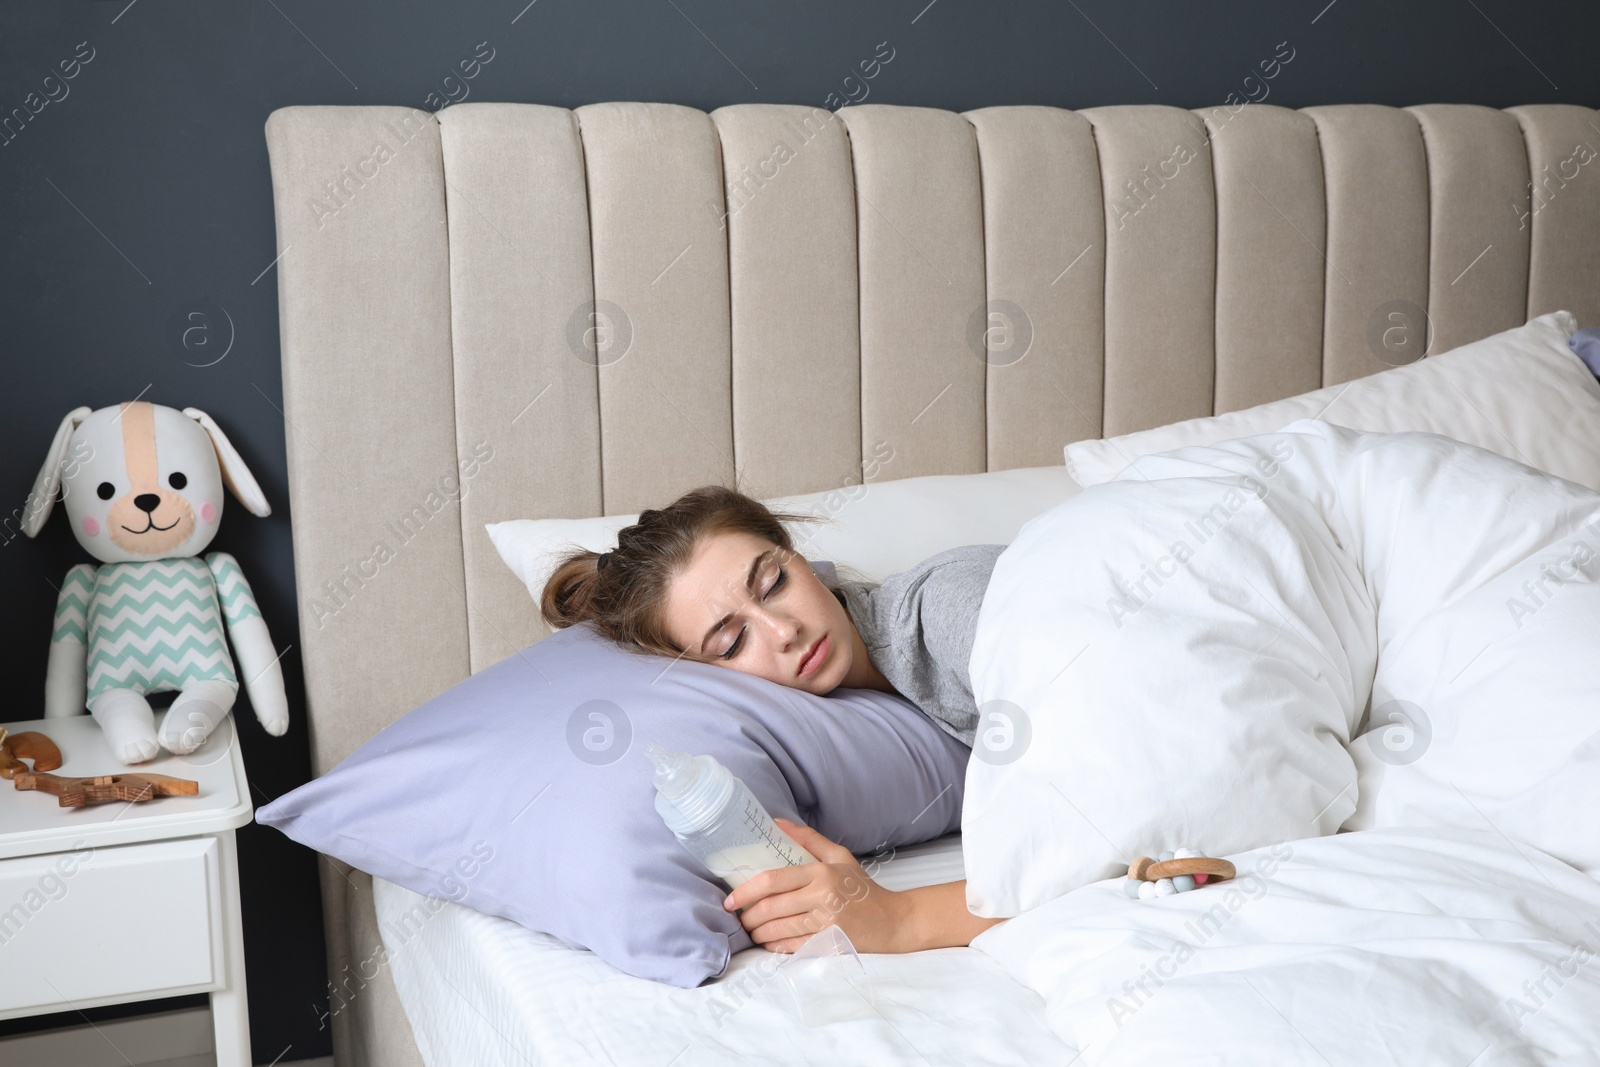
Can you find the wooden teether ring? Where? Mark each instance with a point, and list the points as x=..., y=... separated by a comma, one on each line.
x=15, y=748
x=1146, y=869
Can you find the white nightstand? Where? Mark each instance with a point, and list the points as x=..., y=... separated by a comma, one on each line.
x=117, y=902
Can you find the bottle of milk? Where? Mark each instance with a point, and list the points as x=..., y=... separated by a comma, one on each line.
x=718, y=819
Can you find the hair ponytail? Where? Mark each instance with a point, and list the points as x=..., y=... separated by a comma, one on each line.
x=569, y=593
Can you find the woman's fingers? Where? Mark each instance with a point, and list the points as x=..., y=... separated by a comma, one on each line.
x=778, y=906
x=790, y=930
x=784, y=907
x=777, y=880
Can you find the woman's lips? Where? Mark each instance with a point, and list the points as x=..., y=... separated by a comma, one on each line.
x=814, y=659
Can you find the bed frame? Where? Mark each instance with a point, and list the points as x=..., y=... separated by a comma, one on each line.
x=510, y=310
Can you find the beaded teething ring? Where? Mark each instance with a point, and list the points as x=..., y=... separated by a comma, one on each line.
x=1174, y=872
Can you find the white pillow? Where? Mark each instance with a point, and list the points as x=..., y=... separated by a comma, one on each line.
x=1523, y=394
x=877, y=529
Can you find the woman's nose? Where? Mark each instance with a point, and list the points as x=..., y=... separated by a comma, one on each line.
x=782, y=628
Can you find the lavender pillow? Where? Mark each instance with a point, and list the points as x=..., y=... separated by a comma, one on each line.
x=1586, y=343
x=524, y=792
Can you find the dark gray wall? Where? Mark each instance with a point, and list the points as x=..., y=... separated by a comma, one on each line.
x=142, y=195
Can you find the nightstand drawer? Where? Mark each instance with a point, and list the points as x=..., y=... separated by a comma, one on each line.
x=105, y=924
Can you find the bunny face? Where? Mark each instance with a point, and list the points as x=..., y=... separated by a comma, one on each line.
x=142, y=481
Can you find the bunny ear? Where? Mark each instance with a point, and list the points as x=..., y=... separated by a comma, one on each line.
x=45, y=487
x=234, y=473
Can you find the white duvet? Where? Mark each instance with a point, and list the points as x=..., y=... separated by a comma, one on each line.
x=1270, y=640
x=1408, y=947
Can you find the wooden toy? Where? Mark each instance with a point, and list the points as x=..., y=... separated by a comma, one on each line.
x=76, y=792
x=1177, y=871
x=14, y=748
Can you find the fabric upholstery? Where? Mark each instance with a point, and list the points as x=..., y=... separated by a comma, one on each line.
x=1561, y=208
x=790, y=217
x=1377, y=251
x=1271, y=236
x=1044, y=249
x=1478, y=251
x=1160, y=268
x=920, y=224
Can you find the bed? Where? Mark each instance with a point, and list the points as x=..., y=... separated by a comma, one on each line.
x=630, y=299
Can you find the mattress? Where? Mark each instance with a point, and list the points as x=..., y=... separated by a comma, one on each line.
x=485, y=991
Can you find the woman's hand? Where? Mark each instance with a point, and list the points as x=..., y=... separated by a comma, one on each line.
x=786, y=906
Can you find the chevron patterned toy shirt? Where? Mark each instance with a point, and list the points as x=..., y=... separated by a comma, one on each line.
x=154, y=626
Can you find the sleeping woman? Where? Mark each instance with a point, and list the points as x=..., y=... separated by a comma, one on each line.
x=715, y=577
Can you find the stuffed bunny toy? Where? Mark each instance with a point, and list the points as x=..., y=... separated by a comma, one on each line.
x=142, y=485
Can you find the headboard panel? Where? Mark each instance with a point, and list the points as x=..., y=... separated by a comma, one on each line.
x=521, y=261
x=1561, y=208
x=1271, y=232
x=1375, y=175
x=780, y=296
x=1477, y=168
x=919, y=217
x=364, y=302
x=1160, y=265
x=794, y=304
x=789, y=300
x=1050, y=262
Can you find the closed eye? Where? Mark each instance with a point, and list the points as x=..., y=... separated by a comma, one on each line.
x=738, y=642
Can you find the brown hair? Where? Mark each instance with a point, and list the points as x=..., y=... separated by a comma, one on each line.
x=624, y=598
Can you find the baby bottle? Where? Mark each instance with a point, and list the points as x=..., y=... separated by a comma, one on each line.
x=718, y=819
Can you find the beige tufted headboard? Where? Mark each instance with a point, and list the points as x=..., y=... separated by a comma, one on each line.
x=509, y=310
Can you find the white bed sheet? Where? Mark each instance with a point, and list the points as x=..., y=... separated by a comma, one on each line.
x=484, y=991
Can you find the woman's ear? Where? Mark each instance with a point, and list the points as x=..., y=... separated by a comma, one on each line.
x=235, y=474
x=45, y=487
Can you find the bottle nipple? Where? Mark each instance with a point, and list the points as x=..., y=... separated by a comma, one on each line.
x=674, y=775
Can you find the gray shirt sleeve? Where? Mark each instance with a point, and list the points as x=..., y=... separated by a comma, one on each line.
x=919, y=626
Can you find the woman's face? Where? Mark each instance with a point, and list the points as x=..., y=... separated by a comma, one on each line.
x=745, y=603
